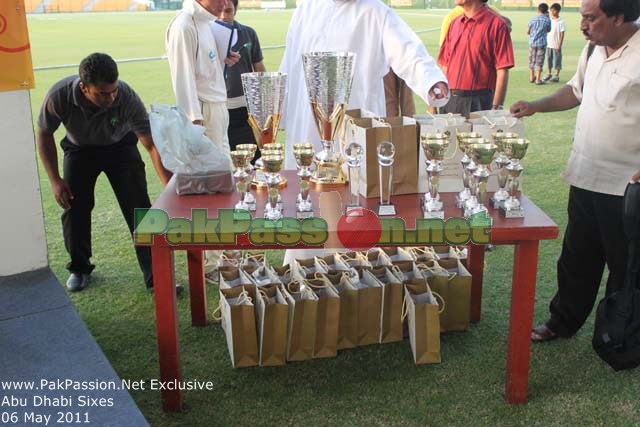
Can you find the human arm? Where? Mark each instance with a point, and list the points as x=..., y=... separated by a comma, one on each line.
x=259, y=67
x=49, y=157
x=232, y=58
x=562, y=99
x=181, y=46
x=409, y=59
x=635, y=178
x=560, y=41
x=502, y=81
x=147, y=141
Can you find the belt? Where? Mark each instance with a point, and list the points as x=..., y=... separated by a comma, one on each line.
x=478, y=92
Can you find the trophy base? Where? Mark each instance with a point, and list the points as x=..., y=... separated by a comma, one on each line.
x=476, y=210
x=460, y=201
x=512, y=213
x=386, y=209
x=251, y=207
x=497, y=204
x=304, y=214
x=432, y=214
x=260, y=180
x=352, y=207
x=241, y=214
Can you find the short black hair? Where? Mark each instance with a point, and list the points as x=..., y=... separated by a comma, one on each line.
x=98, y=68
x=629, y=8
x=235, y=4
x=543, y=7
x=556, y=6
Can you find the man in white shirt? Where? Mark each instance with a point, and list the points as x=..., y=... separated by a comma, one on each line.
x=604, y=158
x=554, y=43
x=380, y=40
x=197, y=76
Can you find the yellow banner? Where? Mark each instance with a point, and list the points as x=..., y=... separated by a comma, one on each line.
x=16, y=69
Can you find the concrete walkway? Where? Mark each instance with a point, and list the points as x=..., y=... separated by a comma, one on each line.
x=45, y=345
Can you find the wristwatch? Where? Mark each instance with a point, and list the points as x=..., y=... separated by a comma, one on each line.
x=496, y=107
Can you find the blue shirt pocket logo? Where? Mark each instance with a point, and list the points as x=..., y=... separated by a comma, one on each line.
x=212, y=55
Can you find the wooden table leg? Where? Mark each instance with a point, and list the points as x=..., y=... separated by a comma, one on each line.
x=167, y=325
x=523, y=292
x=197, y=289
x=475, y=263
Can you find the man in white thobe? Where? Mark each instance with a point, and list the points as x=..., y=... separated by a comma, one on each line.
x=379, y=38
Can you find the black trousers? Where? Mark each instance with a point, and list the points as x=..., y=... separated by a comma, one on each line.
x=239, y=130
x=125, y=170
x=466, y=104
x=594, y=237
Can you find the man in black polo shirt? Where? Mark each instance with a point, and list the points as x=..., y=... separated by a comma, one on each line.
x=248, y=46
x=104, y=119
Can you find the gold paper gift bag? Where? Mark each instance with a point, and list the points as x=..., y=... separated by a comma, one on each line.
x=369, y=309
x=301, y=324
x=328, y=319
x=348, y=324
x=272, y=314
x=391, y=320
x=455, y=289
x=236, y=277
x=239, y=324
x=424, y=325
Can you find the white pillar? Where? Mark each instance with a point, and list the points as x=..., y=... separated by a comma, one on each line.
x=23, y=245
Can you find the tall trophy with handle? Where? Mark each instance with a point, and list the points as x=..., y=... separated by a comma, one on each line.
x=502, y=160
x=328, y=76
x=434, y=146
x=264, y=93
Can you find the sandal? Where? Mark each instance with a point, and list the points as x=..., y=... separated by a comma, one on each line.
x=542, y=333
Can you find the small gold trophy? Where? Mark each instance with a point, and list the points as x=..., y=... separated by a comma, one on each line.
x=516, y=150
x=483, y=156
x=434, y=146
x=242, y=178
x=468, y=167
x=328, y=76
x=272, y=166
x=249, y=198
x=497, y=201
x=304, y=159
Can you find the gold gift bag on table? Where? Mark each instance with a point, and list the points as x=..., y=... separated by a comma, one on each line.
x=422, y=314
x=301, y=324
x=229, y=260
x=302, y=269
x=423, y=254
x=406, y=271
x=333, y=263
x=391, y=318
x=328, y=318
x=369, y=308
x=238, y=321
x=253, y=259
x=348, y=324
x=264, y=276
x=237, y=277
x=455, y=289
x=272, y=314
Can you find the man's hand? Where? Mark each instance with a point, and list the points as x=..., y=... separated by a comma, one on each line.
x=62, y=193
x=522, y=109
x=439, y=90
x=232, y=58
x=635, y=178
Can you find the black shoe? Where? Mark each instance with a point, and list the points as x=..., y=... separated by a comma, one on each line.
x=77, y=282
x=179, y=289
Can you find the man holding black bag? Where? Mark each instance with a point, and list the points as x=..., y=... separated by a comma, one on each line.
x=604, y=157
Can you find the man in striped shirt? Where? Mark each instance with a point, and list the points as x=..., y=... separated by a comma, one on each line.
x=476, y=56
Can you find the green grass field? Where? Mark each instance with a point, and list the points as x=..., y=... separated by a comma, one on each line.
x=376, y=385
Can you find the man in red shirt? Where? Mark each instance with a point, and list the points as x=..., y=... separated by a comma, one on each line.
x=476, y=56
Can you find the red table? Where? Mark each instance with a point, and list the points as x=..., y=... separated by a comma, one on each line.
x=524, y=233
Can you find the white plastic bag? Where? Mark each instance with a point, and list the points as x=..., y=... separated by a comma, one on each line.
x=185, y=150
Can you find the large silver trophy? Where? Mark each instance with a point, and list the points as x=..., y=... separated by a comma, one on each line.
x=264, y=93
x=328, y=76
